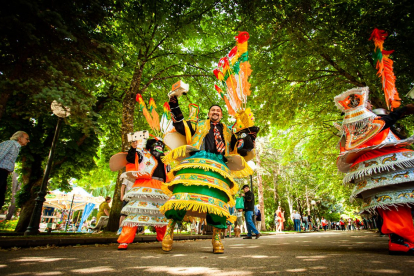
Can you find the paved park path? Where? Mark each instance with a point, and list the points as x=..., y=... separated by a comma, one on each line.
x=330, y=253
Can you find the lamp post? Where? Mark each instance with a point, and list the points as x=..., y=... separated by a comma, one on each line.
x=33, y=228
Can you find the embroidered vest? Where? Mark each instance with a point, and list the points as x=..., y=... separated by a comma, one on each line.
x=203, y=128
x=146, y=168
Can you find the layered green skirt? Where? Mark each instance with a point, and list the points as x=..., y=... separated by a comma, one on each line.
x=202, y=186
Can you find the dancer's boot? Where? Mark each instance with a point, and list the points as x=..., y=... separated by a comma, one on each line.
x=398, y=246
x=168, y=237
x=218, y=247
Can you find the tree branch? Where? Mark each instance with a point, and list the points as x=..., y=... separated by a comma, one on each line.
x=341, y=71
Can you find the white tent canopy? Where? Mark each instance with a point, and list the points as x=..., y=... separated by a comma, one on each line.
x=63, y=200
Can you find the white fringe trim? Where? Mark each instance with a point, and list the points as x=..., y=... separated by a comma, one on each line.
x=378, y=169
x=373, y=209
x=136, y=196
x=132, y=210
x=134, y=224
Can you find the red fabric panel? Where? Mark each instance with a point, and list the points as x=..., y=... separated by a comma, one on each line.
x=398, y=221
x=377, y=153
x=160, y=232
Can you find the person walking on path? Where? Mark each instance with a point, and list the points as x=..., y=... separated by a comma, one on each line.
x=239, y=222
x=305, y=222
x=280, y=218
x=296, y=221
x=324, y=223
x=9, y=150
x=258, y=219
x=342, y=223
x=249, y=209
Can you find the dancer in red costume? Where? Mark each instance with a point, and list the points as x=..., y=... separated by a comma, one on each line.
x=374, y=156
x=378, y=165
x=145, y=197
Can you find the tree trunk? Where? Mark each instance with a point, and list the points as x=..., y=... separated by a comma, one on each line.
x=28, y=206
x=260, y=194
x=32, y=180
x=275, y=184
x=290, y=203
x=299, y=206
x=15, y=189
x=307, y=201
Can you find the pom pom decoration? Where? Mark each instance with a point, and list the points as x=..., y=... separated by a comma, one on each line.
x=384, y=65
x=140, y=102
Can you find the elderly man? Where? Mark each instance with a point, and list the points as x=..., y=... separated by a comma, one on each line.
x=9, y=150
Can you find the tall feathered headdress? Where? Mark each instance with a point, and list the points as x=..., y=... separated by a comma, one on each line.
x=385, y=69
x=152, y=117
x=233, y=72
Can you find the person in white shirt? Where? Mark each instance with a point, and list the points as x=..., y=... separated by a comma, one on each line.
x=324, y=223
x=296, y=221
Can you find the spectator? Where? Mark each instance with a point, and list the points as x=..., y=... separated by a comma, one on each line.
x=296, y=221
x=193, y=226
x=256, y=209
x=239, y=221
x=310, y=223
x=357, y=223
x=179, y=226
x=324, y=223
x=227, y=231
x=201, y=227
x=249, y=208
x=93, y=221
x=305, y=222
x=9, y=150
x=342, y=224
x=349, y=224
x=279, y=219
x=258, y=219
x=104, y=208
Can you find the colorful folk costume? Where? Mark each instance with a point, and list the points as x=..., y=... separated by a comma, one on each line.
x=202, y=183
x=377, y=162
x=147, y=170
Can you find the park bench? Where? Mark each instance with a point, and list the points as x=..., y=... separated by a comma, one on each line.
x=103, y=221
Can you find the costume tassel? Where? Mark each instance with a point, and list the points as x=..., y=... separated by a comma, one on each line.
x=188, y=135
x=196, y=207
x=147, y=116
x=174, y=154
x=384, y=65
x=155, y=120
